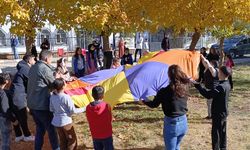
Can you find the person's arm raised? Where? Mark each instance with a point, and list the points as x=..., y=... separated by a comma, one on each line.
x=207, y=65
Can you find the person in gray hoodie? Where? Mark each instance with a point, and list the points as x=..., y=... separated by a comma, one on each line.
x=38, y=95
x=18, y=95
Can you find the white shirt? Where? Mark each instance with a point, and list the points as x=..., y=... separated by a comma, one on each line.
x=139, y=43
x=145, y=45
x=63, y=107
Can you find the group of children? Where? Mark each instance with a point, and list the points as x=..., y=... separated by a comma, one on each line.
x=98, y=112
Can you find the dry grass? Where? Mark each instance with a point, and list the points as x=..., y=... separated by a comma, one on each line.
x=137, y=127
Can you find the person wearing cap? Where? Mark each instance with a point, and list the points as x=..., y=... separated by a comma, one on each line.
x=220, y=96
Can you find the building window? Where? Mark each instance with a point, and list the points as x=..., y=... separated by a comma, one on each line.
x=44, y=34
x=61, y=37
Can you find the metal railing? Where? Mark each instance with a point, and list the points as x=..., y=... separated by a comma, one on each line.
x=70, y=43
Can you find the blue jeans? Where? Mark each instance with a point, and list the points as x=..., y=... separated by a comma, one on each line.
x=5, y=127
x=173, y=132
x=103, y=144
x=43, y=120
x=16, y=56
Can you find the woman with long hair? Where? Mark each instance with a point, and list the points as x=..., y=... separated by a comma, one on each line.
x=213, y=55
x=173, y=99
x=92, y=59
x=78, y=63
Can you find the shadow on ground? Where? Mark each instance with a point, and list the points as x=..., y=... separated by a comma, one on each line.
x=132, y=107
x=156, y=148
x=139, y=120
x=82, y=147
x=199, y=120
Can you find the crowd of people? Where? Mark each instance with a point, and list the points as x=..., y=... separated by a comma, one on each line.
x=96, y=59
x=38, y=88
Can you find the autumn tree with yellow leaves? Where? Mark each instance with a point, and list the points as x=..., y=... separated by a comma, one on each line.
x=102, y=16
x=112, y=16
x=25, y=16
x=197, y=16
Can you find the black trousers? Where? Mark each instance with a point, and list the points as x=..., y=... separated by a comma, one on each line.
x=22, y=127
x=136, y=51
x=219, y=133
x=230, y=78
x=108, y=59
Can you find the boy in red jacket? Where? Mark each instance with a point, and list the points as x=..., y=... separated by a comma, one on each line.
x=99, y=116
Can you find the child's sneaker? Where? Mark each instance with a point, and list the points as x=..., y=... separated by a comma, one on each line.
x=19, y=138
x=29, y=138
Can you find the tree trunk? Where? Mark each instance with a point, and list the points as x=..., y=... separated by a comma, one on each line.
x=222, y=55
x=28, y=43
x=195, y=38
x=105, y=42
x=107, y=51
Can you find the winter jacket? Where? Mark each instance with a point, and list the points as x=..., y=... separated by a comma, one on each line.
x=165, y=44
x=127, y=59
x=5, y=108
x=45, y=46
x=39, y=85
x=14, y=42
x=19, y=85
x=75, y=63
x=99, y=116
x=220, y=96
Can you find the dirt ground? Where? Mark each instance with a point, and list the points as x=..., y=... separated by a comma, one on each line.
x=137, y=127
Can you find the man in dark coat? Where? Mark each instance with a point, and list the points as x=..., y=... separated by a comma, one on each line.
x=45, y=45
x=165, y=43
x=18, y=92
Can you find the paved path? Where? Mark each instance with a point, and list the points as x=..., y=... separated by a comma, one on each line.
x=9, y=66
x=242, y=60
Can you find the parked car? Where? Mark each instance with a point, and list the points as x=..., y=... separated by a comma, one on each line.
x=236, y=46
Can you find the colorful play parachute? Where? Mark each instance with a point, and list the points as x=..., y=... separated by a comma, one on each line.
x=128, y=84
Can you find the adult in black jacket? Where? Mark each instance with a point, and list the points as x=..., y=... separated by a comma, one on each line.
x=165, y=44
x=45, y=45
x=34, y=51
x=220, y=95
x=18, y=95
